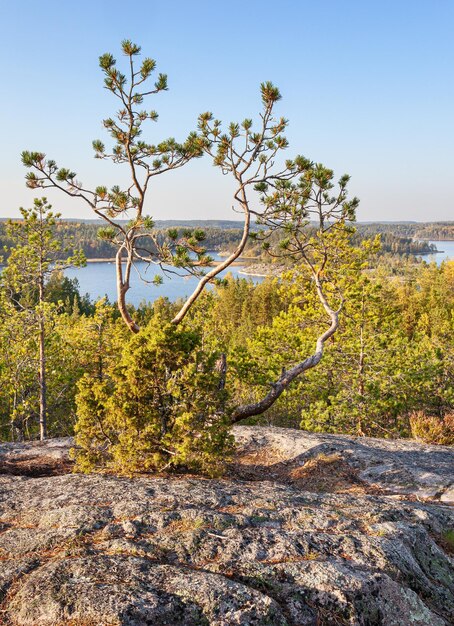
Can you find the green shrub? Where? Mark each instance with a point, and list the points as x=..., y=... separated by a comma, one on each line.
x=159, y=408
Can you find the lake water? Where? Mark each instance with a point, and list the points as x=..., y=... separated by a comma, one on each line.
x=98, y=280
x=447, y=248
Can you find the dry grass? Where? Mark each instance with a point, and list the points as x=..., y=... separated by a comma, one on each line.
x=184, y=525
x=232, y=509
x=329, y=473
x=263, y=456
x=309, y=556
x=431, y=429
x=324, y=473
x=34, y=468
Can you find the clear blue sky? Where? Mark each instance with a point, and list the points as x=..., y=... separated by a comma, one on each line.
x=368, y=88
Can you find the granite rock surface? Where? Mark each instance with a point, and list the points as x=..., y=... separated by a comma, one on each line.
x=373, y=547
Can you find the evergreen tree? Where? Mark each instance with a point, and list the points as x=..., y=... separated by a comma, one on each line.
x=159, y=407
x=35, y=258
x=137, y=240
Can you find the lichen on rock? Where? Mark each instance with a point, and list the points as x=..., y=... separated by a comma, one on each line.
x=80, y=550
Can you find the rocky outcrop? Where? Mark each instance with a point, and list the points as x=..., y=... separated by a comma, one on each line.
x=101, y=550
x=38, y=458
x=392, y=467
x=389, y=466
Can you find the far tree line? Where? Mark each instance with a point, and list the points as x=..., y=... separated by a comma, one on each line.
x=84, y=236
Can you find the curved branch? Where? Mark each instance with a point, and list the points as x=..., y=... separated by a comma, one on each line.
x=222, y=266
x=288, y=376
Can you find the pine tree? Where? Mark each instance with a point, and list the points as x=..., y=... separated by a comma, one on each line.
x=34, y=259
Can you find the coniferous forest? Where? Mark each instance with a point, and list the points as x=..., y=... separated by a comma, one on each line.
x=353, y=336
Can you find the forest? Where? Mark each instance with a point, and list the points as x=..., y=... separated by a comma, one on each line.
x=388, y=371
x=401, y=239
x=354, y=336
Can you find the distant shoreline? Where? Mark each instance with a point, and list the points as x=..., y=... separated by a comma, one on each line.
x=112, y=260
x=263, y=270
x=254, y=274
